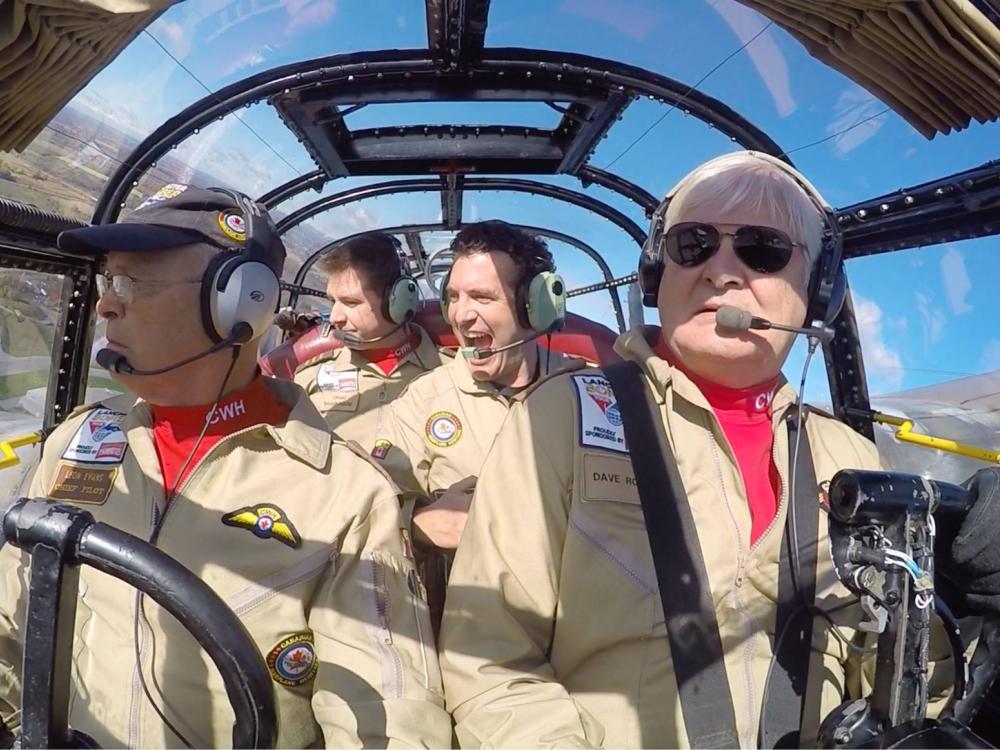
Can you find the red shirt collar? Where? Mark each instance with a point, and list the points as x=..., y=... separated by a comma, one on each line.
x=388, y=359
x=753, y=401
x=252, y=405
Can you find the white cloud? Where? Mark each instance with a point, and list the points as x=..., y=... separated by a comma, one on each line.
x=956, y=281
x=764, y=53
x=883, y=365
x=853, y=106
x=172, y=36
x=990, y=360
x=932, y=319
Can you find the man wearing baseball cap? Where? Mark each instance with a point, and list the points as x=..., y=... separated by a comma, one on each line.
x=239, y=478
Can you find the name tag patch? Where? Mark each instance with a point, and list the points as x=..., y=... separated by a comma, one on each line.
x=80, y=484
x=99, y=440
x=609, y=478
x=330, y=379
x=600, y=418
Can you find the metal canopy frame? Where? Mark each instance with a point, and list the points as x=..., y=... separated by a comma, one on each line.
x=591, y=94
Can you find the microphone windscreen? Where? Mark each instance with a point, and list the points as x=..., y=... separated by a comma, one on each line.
x=110, y=360
x=733, y=318
x=346, y=338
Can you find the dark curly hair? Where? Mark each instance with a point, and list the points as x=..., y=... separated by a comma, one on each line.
x=530, y=254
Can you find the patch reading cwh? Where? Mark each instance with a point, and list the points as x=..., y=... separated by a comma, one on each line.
x=443, y=429
x=600, y=417
x=292, y=662
x=81, y=484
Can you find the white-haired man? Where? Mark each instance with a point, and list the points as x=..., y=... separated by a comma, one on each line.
x=555, y=630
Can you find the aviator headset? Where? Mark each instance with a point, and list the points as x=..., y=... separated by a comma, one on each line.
x=401, y=296
x=239, y=288
x=827, y=283
x=539, y=300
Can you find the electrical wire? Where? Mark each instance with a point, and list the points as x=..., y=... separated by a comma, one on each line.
x=140, y=608
x=211, y=93
x=691, y=88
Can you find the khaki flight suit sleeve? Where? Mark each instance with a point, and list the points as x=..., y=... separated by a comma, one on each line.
x=406, y=460
x=503, y=592
x=378, y=683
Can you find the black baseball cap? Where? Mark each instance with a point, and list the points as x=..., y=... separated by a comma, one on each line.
x=174, y=216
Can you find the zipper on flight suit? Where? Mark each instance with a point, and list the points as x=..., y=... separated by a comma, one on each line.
x=135, y=709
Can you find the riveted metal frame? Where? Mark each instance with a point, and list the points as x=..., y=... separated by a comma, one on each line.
x=73, y=330
x=501, y=74
x=476, y=184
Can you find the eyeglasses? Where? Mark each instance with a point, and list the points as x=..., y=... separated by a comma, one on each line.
x=124, y=286
x=761, y=249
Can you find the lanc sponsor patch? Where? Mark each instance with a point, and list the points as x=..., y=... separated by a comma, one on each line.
x=99, y=440
x=600, y=417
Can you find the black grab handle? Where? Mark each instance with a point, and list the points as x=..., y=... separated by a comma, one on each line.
x=66, y=537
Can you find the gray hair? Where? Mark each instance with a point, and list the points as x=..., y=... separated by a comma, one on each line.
x=752, y=180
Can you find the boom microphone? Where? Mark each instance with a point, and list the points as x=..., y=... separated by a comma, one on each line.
x=734, y=319
x=116, y=362
x=472, y=352
x=349, y=339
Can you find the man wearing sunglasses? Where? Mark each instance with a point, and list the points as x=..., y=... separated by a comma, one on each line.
x=239, y=478
x=554, y=629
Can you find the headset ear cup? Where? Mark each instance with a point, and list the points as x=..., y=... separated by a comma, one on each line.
x=650, y=273
x=209, y=282
x=443, y=289
x=402, y=300
x=244, y=291
x=545, y=304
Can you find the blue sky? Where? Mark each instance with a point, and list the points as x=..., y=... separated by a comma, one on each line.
x=926, y=315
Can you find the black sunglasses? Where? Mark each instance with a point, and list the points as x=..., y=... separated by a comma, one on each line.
x=761, y=249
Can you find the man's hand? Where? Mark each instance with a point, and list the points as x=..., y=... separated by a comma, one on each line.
x=974, y=567
x=443, y=520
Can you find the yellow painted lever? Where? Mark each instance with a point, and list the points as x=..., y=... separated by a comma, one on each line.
x=8, y=457
x=905, y=435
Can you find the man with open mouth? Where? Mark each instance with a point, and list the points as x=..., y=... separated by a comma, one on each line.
x=501, y=297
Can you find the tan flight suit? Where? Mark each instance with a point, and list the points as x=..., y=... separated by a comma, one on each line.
x=444, y=424
x=323, y=586
x=353, y=394
x=553, y=631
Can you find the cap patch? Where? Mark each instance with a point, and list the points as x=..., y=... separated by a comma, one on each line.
x=292, y=662
x=164, y=193
x=232, y=224
x=265, y=522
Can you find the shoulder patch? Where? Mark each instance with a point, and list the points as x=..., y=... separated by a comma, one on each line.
x=292, y=661
x=99, y=439
x=572, y=364
x=600, y=419
x=354, y=447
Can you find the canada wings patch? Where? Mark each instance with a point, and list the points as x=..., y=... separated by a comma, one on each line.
x=600, y=416
x=265, y=522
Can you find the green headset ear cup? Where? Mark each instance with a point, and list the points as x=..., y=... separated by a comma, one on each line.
x=546, y=301
x=444, y=293
x=402, y=300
